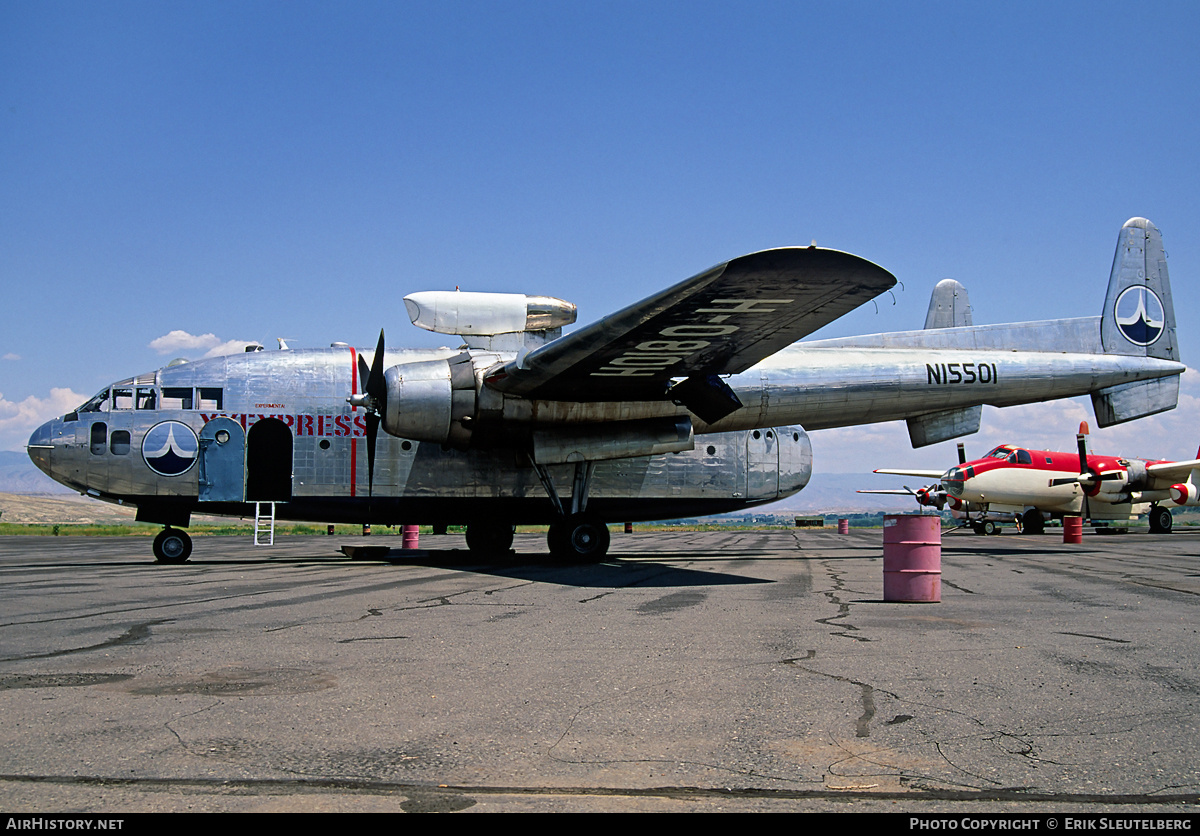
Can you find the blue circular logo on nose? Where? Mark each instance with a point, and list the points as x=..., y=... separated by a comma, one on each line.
x=1139, y=315
x=170, y=448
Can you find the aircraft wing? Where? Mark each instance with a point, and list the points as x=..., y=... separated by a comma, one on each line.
x=923, y=474
x=719, y=322
x=1172, y=471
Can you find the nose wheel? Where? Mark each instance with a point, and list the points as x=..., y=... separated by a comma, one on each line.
x=172, y=546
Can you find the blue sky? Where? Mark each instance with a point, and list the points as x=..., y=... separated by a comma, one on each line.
x=252, y=170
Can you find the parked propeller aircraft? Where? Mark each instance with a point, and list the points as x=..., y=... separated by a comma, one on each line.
x=693, y=401
x=1035, y=485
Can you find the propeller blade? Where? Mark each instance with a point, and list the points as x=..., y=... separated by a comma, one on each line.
x=372, y=434
x=1081, y=440
x=374, y=404
x=962, y=453
x=376, y=386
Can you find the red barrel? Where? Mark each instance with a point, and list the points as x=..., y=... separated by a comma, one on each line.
x=329, y=530
x=409, y=536
x=1072, y=529
x=366, y=529
x=628, y=528
x=843, y=526
x=912, y=558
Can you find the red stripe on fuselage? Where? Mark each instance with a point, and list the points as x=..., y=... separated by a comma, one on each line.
x=353, y=441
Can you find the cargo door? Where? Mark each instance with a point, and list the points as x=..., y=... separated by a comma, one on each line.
x=222, y=461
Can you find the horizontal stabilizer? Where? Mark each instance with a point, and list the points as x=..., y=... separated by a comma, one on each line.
x=933, y=427
x=1118, y=404
x=922, y=474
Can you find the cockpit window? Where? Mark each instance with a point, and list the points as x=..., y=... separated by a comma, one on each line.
x=122, y=398
x=1000, y=452
x=99, y=403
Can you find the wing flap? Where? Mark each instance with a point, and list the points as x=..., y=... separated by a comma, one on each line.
x=719, y=322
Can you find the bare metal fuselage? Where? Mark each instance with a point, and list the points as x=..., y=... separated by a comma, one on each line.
x=291, y=436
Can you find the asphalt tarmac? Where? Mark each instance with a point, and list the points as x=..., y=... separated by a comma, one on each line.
x=739, y=671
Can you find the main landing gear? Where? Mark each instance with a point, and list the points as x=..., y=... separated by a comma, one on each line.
x=1160, y=520
x=575, y=536
x=489, y=537
x=172, y=546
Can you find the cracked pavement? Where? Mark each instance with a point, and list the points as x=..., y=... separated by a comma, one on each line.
x=692, y=671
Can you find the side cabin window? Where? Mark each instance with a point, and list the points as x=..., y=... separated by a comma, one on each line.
x=146, y=399
x=175, y=397
x=119, y=443
x=99, y=438
x=211, y=398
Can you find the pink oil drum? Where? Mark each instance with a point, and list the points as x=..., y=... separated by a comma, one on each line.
x=409, y=536
x=1073, y=530
x=912, y=558
x=843, y=526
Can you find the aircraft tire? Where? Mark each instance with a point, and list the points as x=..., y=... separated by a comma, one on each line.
x=490, y=538
x=1032, y=522
x=990, y=527
x=172, y=546
x=579, y=538
x=1161, y=520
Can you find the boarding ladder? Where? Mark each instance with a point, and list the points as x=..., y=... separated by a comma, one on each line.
x=264, y=524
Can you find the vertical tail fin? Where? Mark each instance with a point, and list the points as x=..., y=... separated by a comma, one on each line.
x=1139, y=317
x=1139, y=320
x=949, y=307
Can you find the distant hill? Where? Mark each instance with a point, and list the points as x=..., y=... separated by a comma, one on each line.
x=19, y=475
x=831, y=493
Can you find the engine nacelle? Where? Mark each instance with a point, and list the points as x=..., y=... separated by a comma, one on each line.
x=486, y=314
x=1185, y=493
x=431, y=400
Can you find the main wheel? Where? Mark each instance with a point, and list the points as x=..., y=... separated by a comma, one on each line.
x=489, y=537
x=580, y=537
x=990, y=528
x=1032, y=522
x=1160, y=520
x=172, y=546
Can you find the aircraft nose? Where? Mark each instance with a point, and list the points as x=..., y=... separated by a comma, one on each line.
x=40, y=445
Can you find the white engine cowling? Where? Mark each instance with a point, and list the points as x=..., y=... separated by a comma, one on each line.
x=486, y=314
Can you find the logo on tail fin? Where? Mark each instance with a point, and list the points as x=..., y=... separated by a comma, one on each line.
x=1139, y=314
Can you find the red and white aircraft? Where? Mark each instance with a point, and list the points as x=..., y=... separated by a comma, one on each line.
x=1036, y=485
